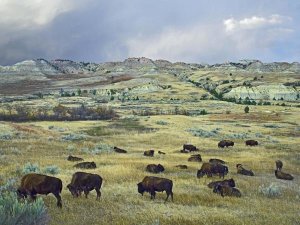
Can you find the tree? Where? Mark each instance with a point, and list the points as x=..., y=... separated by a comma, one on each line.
x=246, y=109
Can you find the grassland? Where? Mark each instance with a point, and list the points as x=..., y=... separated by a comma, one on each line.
x=275, y=127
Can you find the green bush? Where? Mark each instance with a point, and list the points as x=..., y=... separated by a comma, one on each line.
x=14, y=212
x=270, y=191
x=30, y=168
x=53, y=169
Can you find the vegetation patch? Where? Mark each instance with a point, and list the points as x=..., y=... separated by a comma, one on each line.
x=131, y=125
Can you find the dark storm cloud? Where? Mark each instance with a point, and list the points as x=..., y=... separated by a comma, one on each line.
x=194, y=31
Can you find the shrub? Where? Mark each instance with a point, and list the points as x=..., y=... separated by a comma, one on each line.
x=270, y=191
x=9, y=186
x=198, y=132
x=30, y=168
x=52, y=169
x=162, y=122
x=13, y=212
x=73, y=137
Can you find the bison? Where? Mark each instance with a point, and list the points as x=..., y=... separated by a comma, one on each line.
x=190, y=148
x=279, y=165
x=152, y=168
x=243, y=171
x=74, y=158
x=149, y=153
x=225, y=143
x=229, y=182
x=33, y=184
x=225, y=190
x=283, y=176
x=217, y=161
x=210, y=168
x=182, y=166
x=86, y=165
x=251, y=143
x=162, y=153
x=119, y=150
x=153, y=184
x=85, y=182
x=195, y=158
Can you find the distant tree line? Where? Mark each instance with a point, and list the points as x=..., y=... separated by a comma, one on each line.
x=176, y=111
x=19, y=113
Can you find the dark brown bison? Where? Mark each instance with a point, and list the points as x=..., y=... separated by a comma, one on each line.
x=283, y=176
x=149, y=153
x=211, y=168
x=225, y=143
x=217, y=161
x=74, y=158
x=152, y=168
x=154, y=184
x=190, y=148
x=243, y=171
x=33, y=184
x=162, y=153
x=279, y=165
x=251, y=142
x=85, y=182
x=195, y=158
x=119, y=150
x=225, y=190
x=182, y=166
x=229, y=182
x=86, y=165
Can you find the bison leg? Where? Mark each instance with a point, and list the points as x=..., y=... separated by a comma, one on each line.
x=152, y=195
x=98, y=194
x=57, y=196
x=169, y=193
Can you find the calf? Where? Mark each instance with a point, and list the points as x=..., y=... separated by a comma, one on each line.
x=33, y=184
x=149, y=153
x=85, y=182
x=154, y=184
x=162, y=153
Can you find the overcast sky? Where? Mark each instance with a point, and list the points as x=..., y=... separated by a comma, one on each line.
x=211, y=31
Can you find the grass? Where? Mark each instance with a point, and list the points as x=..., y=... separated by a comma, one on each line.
x=194, y=202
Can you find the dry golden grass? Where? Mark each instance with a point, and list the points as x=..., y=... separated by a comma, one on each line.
x=194, y=202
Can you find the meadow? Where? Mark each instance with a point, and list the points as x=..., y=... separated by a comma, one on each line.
x=265, y=199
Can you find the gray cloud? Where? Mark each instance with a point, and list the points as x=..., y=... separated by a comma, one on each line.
x=194, y=31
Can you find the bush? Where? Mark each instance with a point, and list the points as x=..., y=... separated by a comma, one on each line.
x=73, y=137
x=198, y=132
x=162, y=122
x=13, y=212
x=53, y=169
x=270, y=191
x=30, y=168
x=10, y=186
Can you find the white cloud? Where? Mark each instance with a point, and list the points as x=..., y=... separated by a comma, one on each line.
x=254, y=22
x=27, y=14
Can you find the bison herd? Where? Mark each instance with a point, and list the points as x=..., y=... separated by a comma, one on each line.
x=33, y=184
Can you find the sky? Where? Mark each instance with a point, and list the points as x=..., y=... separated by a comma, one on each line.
x=197, y=31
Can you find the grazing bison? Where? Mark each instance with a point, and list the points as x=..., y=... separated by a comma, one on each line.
x=229, y=182
x=85, y=182
x=74, y=158
x=119, y=150
x=225, y=143
x=283, y=176
x=195, y=158
x=190, y=148
x=251, y=142
x=152, y=168
x=162, y=153
x=279, y=165
x=217, y=161
x=149, y=153
x=225, y=190
x=153, y=184
x=86, y=165
x=33, y=184
x=182, y=166
x=210, y=168
x=243, y=171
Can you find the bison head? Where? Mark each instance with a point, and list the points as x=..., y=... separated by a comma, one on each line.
x=160, y=168
x=200, y=173
x=231, y=182
x=141, y=188
x=217, y=189
x=21, y=192
x=73, y=190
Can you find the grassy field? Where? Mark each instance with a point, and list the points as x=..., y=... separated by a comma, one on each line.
x=276, y=128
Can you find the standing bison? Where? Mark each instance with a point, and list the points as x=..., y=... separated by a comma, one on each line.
x=149, y=153
x=33, y=184
x=85, y=182
x=153, y=184
x=251, y=143
x=225, y=143
x=211, y=168
x=152, y=168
